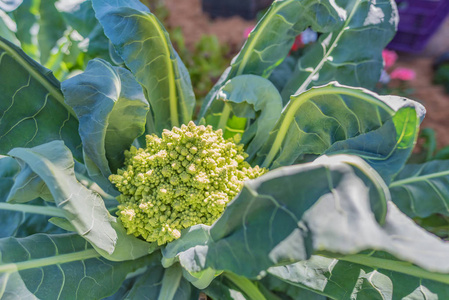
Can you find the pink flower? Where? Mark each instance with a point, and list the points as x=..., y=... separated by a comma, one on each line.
x=403, y=74
x=389, y=57
x=247, y=31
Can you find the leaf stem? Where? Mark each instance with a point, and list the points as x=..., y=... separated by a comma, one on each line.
x=170, y=282
x=48, y=261
x=418, y=178
x=245, y=285
x=34, y=209
x=224, y=117
x=396, y=266
x=171, y=73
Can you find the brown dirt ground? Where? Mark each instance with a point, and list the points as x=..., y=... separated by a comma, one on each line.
x=188, y=15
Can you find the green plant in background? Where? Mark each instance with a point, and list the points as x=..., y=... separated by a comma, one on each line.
x=441, y=68
x=205, y=62
x=442, y=76
x=62, y=36
x=428, y=148
x=332, y=217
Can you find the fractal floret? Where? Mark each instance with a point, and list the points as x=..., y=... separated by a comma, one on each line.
x=186, y=177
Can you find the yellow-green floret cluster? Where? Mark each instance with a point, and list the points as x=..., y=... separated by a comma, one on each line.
x=184, y=178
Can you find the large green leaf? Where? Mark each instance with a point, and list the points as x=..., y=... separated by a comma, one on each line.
x=422, y=190
x=340, y=279
x=111, y=109
x=316, y=119
x=149, y=54
x=251, y=98
x=337, y=119
x=386, y=149
x=58, y=267
x=347, y=211
x=352, y=52
x=84, y=209
x=32, y=108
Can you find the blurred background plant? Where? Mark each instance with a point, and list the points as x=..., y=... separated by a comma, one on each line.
x=205, y=62
x=428, y=148
x=61, y=35
x=441, y=69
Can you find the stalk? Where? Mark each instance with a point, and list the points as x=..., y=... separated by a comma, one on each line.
x=170, y=282
x=224, y=117
x=245, y=285
x=412, y=180
x=48, y=261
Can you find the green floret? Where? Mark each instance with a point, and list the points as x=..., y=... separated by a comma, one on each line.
x=186, y=177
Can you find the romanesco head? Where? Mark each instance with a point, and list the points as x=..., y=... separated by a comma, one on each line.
x=184, y=178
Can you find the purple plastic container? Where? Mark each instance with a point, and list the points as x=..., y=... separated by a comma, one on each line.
x=418, y=21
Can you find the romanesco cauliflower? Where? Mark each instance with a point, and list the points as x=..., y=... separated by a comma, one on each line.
x=184, y=178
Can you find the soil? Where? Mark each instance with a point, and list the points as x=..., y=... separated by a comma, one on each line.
x=188, y=15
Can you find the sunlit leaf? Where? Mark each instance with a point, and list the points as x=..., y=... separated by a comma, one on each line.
x=32, y=108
